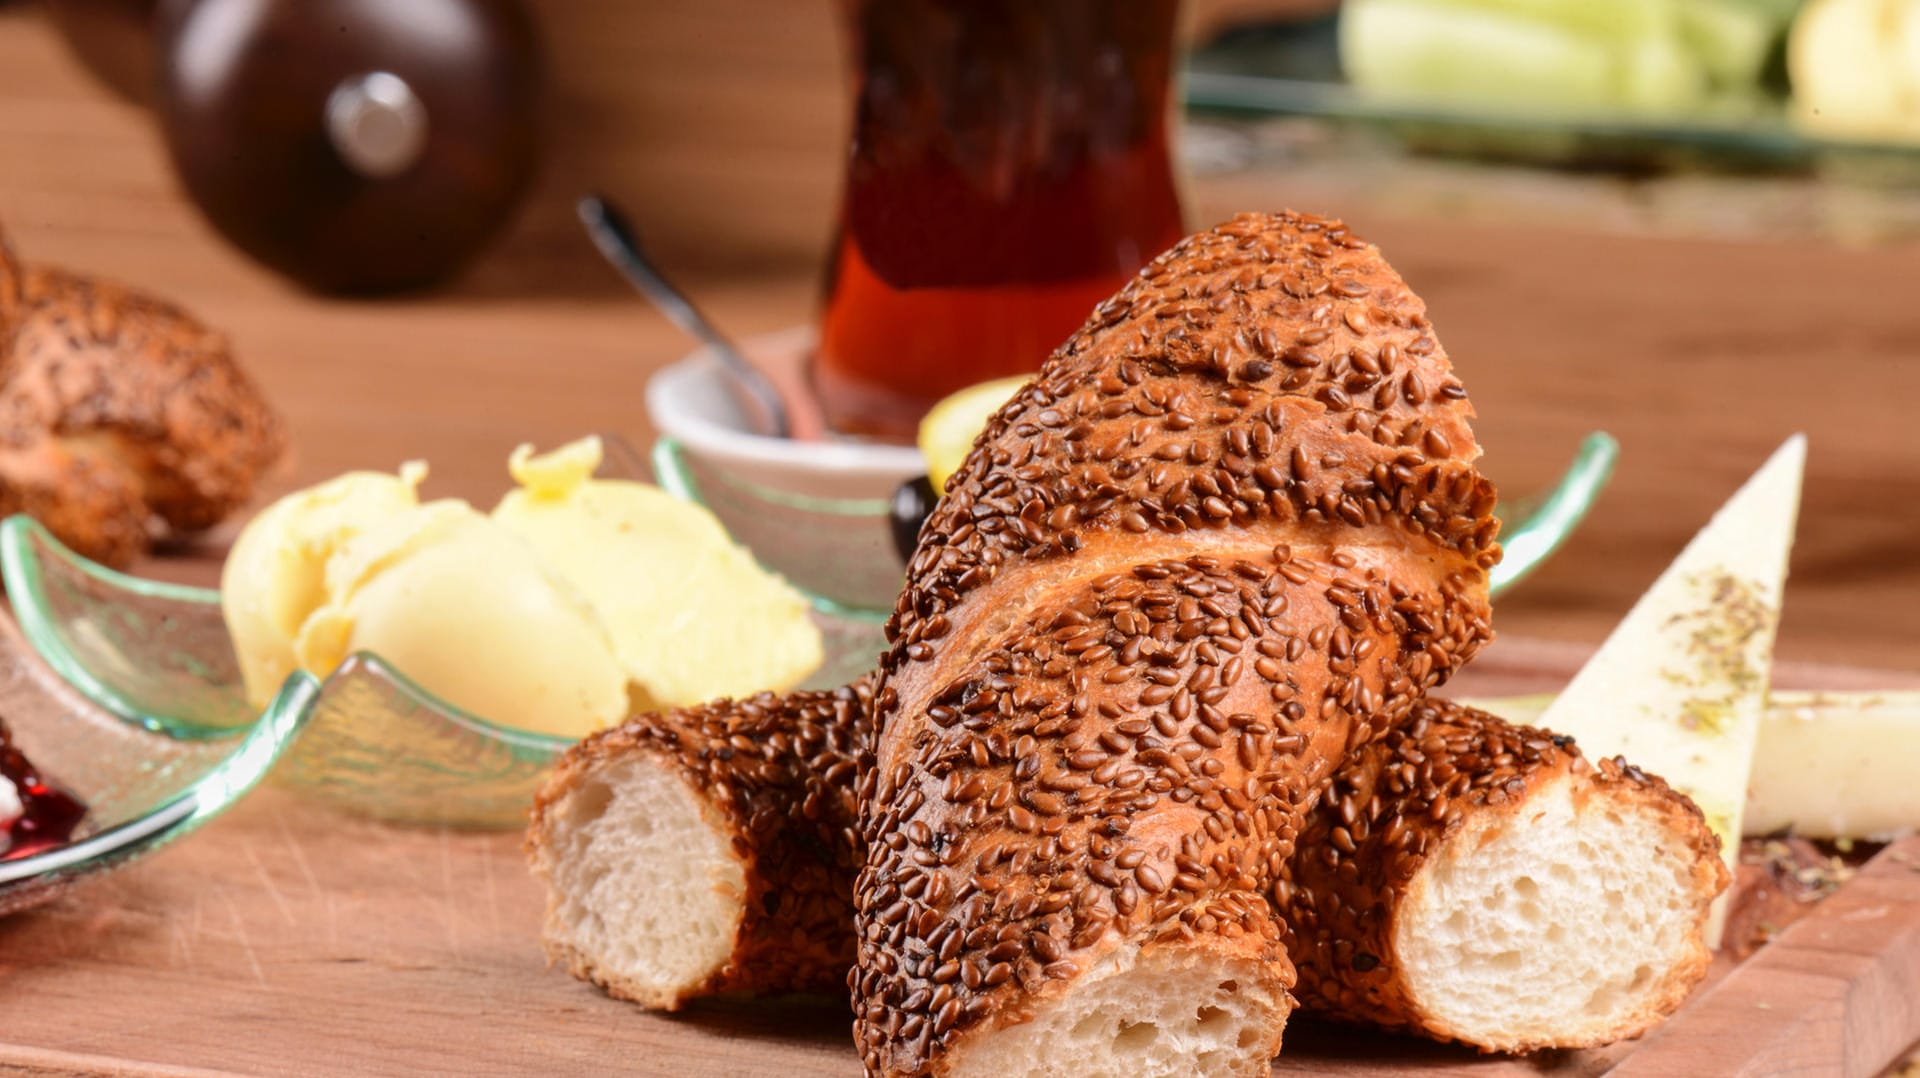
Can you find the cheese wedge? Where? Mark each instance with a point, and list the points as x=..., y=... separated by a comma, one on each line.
x=1837, y=765
x=1827, y=765
x=1678, y=687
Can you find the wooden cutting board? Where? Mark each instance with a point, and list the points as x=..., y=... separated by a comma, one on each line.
x=285, y=939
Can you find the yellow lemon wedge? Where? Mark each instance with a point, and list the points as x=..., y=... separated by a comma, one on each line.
x=948, y=431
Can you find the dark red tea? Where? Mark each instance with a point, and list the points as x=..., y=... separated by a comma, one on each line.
x=1009, y=170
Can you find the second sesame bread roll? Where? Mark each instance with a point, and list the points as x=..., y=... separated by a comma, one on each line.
x=1472, y=880
x=707, y=849
x=1232, y=529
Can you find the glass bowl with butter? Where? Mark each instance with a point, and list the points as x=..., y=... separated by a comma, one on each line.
x=442, y=657
x=452, y=654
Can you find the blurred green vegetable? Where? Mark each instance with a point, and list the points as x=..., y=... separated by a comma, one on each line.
x=1566, y=56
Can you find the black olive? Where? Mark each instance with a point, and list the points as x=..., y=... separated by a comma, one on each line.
x=912, y=503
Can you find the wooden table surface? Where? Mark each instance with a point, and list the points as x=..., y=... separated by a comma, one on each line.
x=291, y=939
x=719, y=118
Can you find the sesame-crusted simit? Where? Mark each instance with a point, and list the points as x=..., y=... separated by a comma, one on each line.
x=1230, y=533
x=707, y=849
x=1468, y=879
x=1092, y=844
x=1454, y=811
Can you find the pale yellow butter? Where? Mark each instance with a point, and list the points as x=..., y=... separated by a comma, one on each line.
x=691, y=614
x=577, y=600
x=468, y=610
x=275, y=576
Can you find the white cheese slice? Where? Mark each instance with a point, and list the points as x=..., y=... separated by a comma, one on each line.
x=1827, y=765
x=1678, y=687
x=1837, y=765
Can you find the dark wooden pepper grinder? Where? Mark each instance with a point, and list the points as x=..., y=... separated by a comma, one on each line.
x=354, y=145
x=113, y=38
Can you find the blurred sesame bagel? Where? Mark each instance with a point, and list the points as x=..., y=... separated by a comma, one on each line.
x=122, y=418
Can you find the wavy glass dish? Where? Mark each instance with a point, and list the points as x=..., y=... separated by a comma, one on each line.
x=157, y=657
x=1294, y=71
x=143, y=788
x=839, y=544
x=838, y=552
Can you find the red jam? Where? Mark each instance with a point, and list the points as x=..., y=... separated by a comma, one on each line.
x=47, y=815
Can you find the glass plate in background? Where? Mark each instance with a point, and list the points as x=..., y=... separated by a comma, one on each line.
x=1293, y=70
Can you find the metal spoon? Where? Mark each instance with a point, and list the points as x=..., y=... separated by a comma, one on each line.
x=615, y=238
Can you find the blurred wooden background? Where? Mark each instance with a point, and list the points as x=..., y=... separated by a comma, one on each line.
x=719, y=122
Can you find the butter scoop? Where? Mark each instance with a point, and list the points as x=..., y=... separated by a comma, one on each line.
x=692, y=615
x=275, y=576
x=466, y=609
x=576, y=601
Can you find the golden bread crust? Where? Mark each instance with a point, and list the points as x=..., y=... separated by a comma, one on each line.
x=1232, y=530
x=1450, y=770
x=1168, y=596
x=778, y=774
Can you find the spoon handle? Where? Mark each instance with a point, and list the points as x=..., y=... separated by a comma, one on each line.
x=617, y=243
